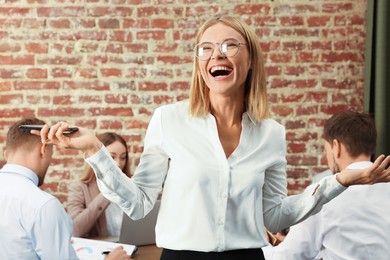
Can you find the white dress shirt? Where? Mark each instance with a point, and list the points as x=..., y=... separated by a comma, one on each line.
x=355, y=225
x=33, y=223
x=209, y=202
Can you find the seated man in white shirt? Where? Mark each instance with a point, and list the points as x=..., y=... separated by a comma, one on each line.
x=356, y=224
x=33, y=225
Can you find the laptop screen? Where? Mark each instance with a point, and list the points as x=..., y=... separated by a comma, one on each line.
x=140, y=232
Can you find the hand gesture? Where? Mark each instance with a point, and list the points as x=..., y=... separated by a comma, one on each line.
x=378, y=172
x=82, y=139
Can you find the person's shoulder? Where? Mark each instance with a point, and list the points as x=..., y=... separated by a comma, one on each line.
x=38, y=198
x=179, y=109
x=176, y=107
x=271, y=123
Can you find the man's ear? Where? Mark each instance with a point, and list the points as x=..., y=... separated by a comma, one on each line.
x=5, y=153
x=43, y=150
x=336, y=147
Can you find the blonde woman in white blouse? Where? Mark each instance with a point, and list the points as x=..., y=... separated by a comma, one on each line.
x=219, y=157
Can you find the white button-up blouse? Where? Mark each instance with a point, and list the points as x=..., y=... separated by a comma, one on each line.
x=210, y=202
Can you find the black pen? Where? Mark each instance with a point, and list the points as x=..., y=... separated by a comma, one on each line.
x=106, y=252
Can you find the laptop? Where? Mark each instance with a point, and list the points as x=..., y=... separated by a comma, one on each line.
x=140, y=232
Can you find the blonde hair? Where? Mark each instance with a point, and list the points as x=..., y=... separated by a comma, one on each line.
x=107, y=139
x=256, y=100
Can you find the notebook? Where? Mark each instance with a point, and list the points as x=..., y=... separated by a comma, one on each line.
x=140, y=232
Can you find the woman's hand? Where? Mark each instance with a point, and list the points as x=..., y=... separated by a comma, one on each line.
x=82, y=139
x=378, y=172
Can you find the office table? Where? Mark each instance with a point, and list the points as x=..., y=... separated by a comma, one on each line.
x=150, y=252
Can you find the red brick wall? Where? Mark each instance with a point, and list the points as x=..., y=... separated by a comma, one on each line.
x=107, y=65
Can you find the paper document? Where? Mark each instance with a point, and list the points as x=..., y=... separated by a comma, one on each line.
x=90, y=249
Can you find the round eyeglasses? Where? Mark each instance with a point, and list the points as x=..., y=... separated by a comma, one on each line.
x=228, y=47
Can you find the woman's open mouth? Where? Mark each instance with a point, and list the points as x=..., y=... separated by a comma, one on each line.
x=220, y=71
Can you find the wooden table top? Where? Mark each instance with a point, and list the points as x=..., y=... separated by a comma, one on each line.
x=150, y=252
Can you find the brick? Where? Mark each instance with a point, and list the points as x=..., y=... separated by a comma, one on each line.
x=67, y=11
x=109, y=23
x=152, y=86
x=273, y=70
x=13, y=99
x=111, y=72
x=115, y=99
x=343, y=56
x=61, y=72
x=333, y=109
x=90, y=85
x=174, y=60
x=17, y=60
x=291, y=97
x=35, y=47
x=36, y=73
x=318, y=21
x=59, y=24
x=295, y=8
x=253, y=9
x=135, y=23
x=17, y=113
x=5, y=85
x=292, y=21
x=10, y=23
x=37, y=85
x=333, y=8
x=10, y=73
x=295, y=124
x=162, y=23
x=318, y=97
x=293, y=46
x=98, y=111
x=91, y=99
x=15, y=12
x=64, y=100
x=166, y=47
x=294, y=70
x=111, y=124
x=302, y=110
x=136, y=48
x=301, y=160
x=301, y=136
x=298, y=173
x=60, y=60
x=60, y=112
x=151, y=35
x=282, y=110
x=345, y=84
x=296, y=148
x=179, y=86
x=38, y=100
x=9, y=47
x=122, y=36
x=280, y=57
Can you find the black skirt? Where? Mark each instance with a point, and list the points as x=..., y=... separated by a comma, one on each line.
x=241, y=254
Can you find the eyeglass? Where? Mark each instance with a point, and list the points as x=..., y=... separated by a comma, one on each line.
x=228, y=47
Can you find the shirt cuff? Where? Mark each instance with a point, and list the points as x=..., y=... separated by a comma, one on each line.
x=100, y=162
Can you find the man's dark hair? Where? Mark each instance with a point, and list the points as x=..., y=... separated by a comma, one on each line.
x=355, y=130
x=19, y=138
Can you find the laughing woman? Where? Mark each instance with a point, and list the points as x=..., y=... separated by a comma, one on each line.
x=219, y=158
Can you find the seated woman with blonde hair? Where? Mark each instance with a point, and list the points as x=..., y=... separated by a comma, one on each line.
x=92, y=214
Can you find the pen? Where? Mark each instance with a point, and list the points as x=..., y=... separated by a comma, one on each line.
x=106, y=252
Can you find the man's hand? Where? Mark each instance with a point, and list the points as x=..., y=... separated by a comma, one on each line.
x=118, y=254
